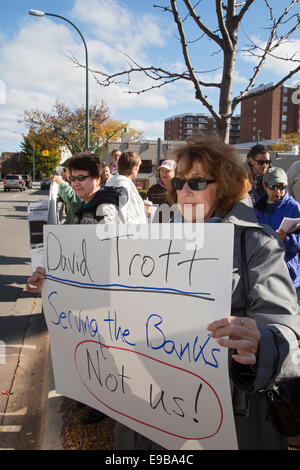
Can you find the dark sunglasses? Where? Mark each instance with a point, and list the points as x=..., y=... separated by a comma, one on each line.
x=79, y=178
x=281, y=187
x=195, y=184
x=262, y=162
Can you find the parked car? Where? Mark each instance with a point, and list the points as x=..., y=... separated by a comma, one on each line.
x=45, y=183
x=27, y=180
x=14, y=182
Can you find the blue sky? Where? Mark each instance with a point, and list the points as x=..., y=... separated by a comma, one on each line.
x=35, y=69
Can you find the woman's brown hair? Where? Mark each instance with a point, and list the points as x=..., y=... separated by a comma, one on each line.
x=220, y=162
x=85, y=161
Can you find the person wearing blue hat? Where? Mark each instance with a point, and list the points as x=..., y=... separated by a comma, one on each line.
x=271, y=209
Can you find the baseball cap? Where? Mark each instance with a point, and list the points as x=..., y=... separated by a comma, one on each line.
x=275, y=175
x=169, y=164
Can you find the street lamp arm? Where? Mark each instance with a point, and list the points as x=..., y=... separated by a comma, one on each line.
x=87, y=143
x=42, y=13
x=74, y=26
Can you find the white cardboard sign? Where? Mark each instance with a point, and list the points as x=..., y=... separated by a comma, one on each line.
x=128, y=327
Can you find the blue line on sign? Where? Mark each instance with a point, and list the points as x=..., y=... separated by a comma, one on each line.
x=125, y=287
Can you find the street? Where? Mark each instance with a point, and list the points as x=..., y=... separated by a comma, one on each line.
x=23, y=332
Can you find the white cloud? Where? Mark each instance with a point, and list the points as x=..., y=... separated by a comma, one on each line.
x=119, y=27
x=37, y=71
x=152, y=130
x=287, y=50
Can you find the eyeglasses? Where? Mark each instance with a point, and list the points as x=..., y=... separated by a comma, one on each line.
x=281, y=187
x=195, y=184
x=262, y=162
x=79, y=178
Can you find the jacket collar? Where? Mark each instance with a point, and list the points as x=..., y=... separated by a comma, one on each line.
x=260, y=204
x=242, y=214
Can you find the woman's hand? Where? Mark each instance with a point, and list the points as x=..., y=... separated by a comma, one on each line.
x=36, y=280
x=56, y=179
x=281, y=234
x=243, y=336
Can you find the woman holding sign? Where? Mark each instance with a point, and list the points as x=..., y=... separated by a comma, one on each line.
x=262, y=331
x=210, y=173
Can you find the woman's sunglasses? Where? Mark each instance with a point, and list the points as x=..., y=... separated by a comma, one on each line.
x=79, y=178
x=262, y=162
x=195, y=184
x=281, y=187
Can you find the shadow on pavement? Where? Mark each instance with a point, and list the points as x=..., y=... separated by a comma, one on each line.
x=5, y=260
x=20, y=208
x=9, y=291
x=13, y=327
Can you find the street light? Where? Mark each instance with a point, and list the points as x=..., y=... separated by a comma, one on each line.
x=87, y=133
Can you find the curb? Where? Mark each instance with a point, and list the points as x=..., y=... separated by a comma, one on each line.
x=53, y=418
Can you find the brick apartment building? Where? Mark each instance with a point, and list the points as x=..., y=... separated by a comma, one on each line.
x=185, y=126
x=269, y=116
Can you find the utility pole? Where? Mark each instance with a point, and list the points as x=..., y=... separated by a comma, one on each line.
x=33, y=162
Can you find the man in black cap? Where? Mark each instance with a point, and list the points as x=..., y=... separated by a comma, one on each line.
x=259, y=161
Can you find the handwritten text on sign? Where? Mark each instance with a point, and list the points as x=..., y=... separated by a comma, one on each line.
x=128, y=326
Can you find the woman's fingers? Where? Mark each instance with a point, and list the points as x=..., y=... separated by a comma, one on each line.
x=35, y=281
x=245, y=359
x=238, y=333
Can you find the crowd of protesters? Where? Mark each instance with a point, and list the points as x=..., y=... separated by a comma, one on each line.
x=254, y=198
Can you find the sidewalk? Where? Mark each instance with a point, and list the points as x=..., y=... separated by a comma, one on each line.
x=63, y=429
x=53, y=418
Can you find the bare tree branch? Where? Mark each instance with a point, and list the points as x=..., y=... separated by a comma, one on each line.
x=193, y=77
x=228, y=15
x=271, y=44
x=244, y=10
x=158, y=73
x=222, y=26
x=201, y=25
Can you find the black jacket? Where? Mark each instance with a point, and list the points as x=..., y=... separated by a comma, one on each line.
x=89, y=214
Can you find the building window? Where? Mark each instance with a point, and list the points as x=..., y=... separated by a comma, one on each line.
x=254, y=111
x=285, y=99
x=284, y=118
x=254, y=119
x=146, y=166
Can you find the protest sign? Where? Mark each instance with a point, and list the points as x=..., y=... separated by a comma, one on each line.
x=39, y=214
x=127, y=316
